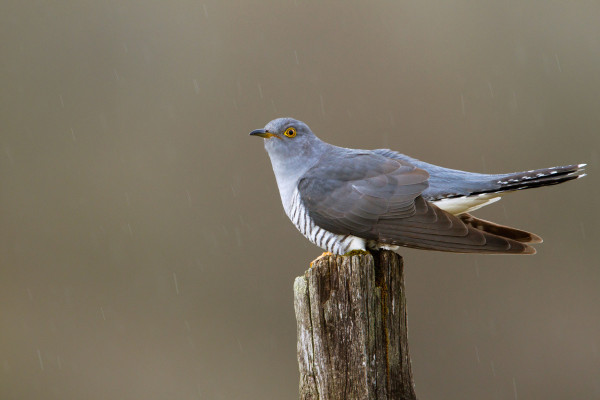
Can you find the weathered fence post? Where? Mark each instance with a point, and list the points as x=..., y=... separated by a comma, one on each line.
x=352, y=333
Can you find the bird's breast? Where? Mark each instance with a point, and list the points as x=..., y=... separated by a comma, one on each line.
x=332, y=242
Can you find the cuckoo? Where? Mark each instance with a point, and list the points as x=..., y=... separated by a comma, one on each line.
x=347, y=199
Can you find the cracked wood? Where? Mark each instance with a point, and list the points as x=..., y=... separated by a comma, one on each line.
x=351, y=326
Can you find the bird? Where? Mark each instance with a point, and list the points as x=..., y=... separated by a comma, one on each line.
x=346, y=200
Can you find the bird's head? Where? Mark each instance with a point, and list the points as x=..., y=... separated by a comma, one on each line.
x=288, y=138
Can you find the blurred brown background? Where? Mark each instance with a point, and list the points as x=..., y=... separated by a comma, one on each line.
x=144, y=251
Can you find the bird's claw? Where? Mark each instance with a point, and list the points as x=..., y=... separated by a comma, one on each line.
x=325, y=254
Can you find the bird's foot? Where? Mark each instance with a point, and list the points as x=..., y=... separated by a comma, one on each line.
x=325, y=254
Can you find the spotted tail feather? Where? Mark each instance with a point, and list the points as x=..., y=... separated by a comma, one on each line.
x=535, y=178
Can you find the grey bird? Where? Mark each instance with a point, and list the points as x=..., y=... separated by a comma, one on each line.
x=346, y=199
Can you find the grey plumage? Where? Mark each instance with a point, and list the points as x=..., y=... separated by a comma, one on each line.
x=448, y=183
x=345, y=199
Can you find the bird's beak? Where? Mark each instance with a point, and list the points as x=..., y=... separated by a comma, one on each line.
x=263, y=133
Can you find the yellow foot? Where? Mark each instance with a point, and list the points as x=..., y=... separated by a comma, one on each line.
x=325, y=254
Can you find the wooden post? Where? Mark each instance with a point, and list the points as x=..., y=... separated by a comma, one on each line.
x=352, y=333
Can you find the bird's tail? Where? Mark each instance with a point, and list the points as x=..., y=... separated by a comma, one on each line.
x=534, y=178
x=500, y=230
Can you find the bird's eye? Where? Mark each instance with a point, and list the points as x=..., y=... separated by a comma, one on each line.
x=290, y=132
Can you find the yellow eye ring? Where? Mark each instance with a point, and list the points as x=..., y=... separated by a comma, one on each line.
x=290, y=132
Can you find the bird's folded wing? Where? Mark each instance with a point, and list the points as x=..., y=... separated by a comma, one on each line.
x=378, y=198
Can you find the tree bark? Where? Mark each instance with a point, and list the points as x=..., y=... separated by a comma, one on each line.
x=352, y=332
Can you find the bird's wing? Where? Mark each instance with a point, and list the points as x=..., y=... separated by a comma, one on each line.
x=377, y=198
